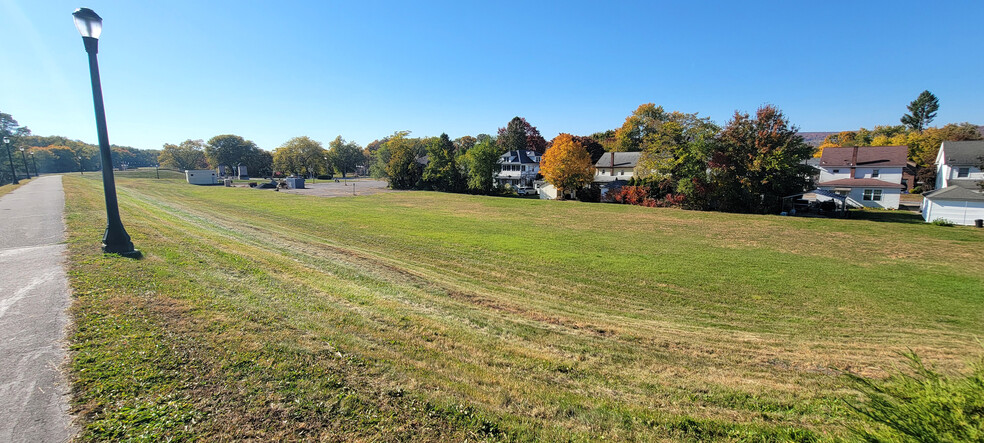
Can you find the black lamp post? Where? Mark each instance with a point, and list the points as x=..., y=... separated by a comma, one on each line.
x=157, y=169
x=10, y=158
x=115, y=240
x=35, y=161
x=27, y=168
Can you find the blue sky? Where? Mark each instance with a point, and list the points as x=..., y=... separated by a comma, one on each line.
x=269, y=71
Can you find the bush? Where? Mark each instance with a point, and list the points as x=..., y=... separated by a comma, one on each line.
x=922, y=405
x=942, y=222
x=326, y=177
x=916, y=190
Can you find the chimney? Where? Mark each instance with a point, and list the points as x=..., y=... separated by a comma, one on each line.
x=613, y=163
x=854, y=161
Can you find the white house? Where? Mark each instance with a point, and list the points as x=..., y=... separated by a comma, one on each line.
x=615, y=167
x=958, y=197
x=959, y=161
x=201, y=176
x=870, y=175
x=518, y=169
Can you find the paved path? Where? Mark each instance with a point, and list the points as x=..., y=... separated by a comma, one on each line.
x=34, y=299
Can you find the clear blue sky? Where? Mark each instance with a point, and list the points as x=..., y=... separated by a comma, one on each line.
x=269, y=71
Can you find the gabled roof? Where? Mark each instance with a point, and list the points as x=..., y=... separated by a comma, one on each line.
x=868, y=156
x=962, y=190
x=963, y=153
x=861, y=182
x=622, y=160
x=519, y=157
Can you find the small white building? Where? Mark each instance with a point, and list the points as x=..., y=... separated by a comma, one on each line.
x=958, y=197
x=961, y=203
x=615, y=168
x=201, y=177
x=518, y=169
x=871, y=175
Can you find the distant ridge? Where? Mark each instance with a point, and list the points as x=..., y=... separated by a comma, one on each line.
x=815, y=139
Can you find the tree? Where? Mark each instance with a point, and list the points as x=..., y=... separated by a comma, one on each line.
x=190, y=154
x=923, y=111
x=442, y=171
x=592, y=145
x=521, y=135
x=344, y=155
x=755, y=162
x=403, y=170
x=463, y=144
x=14, y=132
x=228, y=150
x=300, y=156
x=567, y=165
x=481, y=164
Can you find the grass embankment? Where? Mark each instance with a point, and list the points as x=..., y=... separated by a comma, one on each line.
x=10, y=187
x=257, y=314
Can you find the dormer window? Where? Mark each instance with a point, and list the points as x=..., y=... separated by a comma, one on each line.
x=963, y=172
x=874, y=173
x=837, y=171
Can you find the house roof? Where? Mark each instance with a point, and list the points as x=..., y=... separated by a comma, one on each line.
x=860, y=183
x=867, y=156
x=621, y=160
x=963, y=153
x=519, y=157
x=962, y=190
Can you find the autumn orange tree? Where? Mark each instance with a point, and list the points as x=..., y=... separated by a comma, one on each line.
x=567, y=164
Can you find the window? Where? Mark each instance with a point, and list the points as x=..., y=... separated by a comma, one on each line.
x=872, y=195
x=836, y=171
x=874, y=173
x=963, y=172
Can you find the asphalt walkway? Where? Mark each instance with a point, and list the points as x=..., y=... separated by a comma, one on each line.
x=34, y=301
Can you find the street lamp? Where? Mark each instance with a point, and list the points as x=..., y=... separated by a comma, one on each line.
x=80, y=165
x=35, y=161
x=157, y=169
x=27, y=168
x=10, y=158
x=115, y=240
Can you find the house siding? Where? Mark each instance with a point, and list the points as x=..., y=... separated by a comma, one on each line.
x=957, y=211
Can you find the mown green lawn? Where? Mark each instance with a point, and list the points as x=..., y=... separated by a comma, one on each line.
x=428, y=316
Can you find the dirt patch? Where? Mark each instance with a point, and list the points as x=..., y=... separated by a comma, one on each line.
x=342, y=188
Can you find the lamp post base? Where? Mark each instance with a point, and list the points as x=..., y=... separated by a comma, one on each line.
x=117, y=241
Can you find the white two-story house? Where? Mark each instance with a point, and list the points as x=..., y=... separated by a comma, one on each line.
x=614, y=169
x=870, y=175
x=958, y=197
x=518, y=169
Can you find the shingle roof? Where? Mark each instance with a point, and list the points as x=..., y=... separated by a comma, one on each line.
x=867, y=156
x=622, y=160
x=963, y=153
x=860, y=182
x=962, y=190
x=519, y=157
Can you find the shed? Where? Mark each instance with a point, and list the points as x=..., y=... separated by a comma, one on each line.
x=961, y=202
x=201, y=177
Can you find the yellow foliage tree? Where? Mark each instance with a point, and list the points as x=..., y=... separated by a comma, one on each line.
x=567, y=164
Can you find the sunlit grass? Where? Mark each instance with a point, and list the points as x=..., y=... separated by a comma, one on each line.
x=439, y=316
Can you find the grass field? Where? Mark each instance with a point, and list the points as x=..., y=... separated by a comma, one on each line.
x=428, y=316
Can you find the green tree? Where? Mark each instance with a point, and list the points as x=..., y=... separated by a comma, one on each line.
x=755, y=162
x=15, y=133
x=923, y=111
x=403, y=170
x=520, y=135
x=300, y=156
x=345, y=156
x=442, y=172
x=481, y=164
x=190, y=154
x=233, y=150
